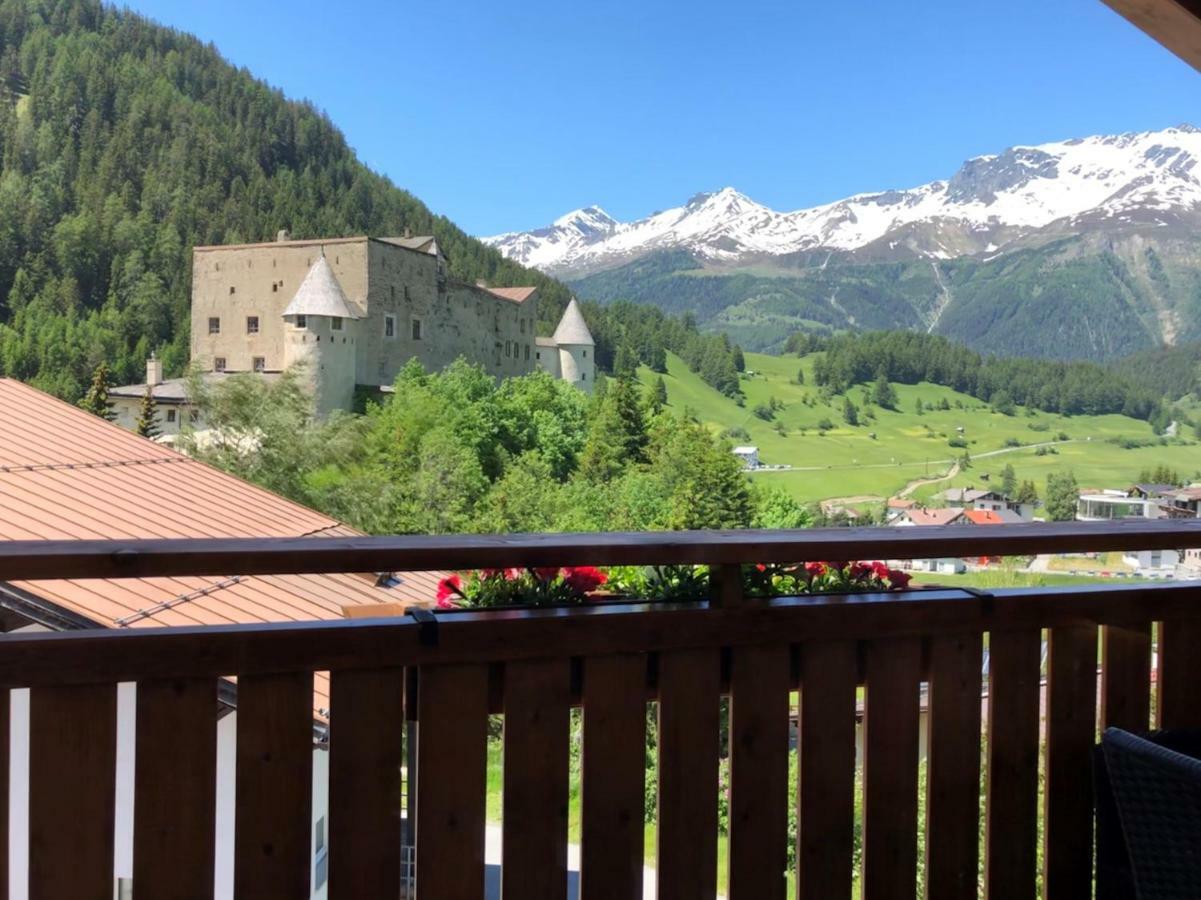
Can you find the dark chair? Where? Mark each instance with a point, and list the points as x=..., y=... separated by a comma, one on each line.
x=1157, y=792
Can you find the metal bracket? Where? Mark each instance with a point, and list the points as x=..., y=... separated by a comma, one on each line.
x=986, y=598
x=427, y=632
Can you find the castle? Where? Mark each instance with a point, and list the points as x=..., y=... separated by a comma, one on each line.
x=354, y=311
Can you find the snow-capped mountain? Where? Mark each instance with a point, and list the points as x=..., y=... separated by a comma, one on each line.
x=989, y=205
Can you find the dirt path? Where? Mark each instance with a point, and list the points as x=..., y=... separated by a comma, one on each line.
x=917, y=483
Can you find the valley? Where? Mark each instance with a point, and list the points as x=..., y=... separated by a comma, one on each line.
x=880, y=458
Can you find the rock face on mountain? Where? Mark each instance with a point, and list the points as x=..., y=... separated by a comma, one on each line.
x=1085, y=248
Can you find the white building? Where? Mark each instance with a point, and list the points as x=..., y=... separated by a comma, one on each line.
x=748, y=456
x=570, y=353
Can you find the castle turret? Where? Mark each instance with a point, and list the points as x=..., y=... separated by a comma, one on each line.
x=320, y=334
x=577, y=350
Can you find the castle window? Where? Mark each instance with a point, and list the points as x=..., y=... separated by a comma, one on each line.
x=538, y=355
x=171, y=416
x=527, y=352
x=583, y=376
x=389, y=326
x=335, y=323
x=522, y=323
x=219, y=364
x=416, y=329
x=302, y=321
x=406, y=292
x=232, y=290
x=252, y=324
x=392, y=291
x=214, y=325
x=260, y=364
x=585, y=354
x=275, y=287
x=508, y=348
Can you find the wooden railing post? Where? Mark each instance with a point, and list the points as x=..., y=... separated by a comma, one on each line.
x=725, y=586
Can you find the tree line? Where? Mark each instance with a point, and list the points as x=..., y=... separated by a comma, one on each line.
x=1068, y=388
x=455, y=451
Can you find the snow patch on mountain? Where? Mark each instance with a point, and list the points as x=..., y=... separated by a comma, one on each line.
x=992, y=201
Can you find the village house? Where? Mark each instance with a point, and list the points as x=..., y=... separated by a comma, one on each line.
x=79, y=477
x=352, y=311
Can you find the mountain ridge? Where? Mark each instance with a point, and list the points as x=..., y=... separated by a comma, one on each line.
x=992, y=202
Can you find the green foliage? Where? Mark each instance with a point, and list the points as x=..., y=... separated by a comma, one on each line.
x=776, y=508
x=1009, y=480
x=912, y=357
x=96, y=399
x=136, y=142
x=850, y=412
x=618, y=435
x=763, y=411
x=147, y=424
x=1061, y=496
x=883, y=393
x=657, y=396
x=1161, y=474
x=1027, y=493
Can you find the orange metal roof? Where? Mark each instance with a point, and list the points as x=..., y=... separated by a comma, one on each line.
x=983, y=517
x=66, y=474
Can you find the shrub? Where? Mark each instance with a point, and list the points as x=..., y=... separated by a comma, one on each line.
x=957, y=442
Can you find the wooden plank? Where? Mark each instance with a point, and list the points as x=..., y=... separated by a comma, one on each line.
x=1174, y=23
x=826, y=770
x=689, y=685
x=1126, y=676
x=175, y=788
x=452, y=757
x=601, y=629
x=614, y=775
x=537, y=722
x=28, y=560
x=953, y=768
x=366, y=752
x=1071, y=723
x=725, y=586
x=5, y=767
x=274, y=787
x=72, y=790
x=891, y=723
x=1011, y=816
x=758, y=817
x=1179, y=682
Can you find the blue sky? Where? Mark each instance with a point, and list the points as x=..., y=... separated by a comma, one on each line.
x=505, y=116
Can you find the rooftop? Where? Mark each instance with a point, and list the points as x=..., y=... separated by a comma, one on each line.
x=572, y=327
x=320, y=294
x=937, y=516
x=78, y=477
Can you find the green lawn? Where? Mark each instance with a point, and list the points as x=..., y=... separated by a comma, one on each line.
x=879, y=457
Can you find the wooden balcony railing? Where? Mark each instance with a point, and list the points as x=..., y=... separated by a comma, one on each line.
x=535, y=665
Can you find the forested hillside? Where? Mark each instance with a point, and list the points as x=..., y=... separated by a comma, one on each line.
x=122, y=145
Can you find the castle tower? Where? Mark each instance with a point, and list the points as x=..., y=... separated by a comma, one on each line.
x=577, y=350
x=320, y=333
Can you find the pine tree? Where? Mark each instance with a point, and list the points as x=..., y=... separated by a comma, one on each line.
x=850, y=412
x=147, y=425
x=618, y=435
x=739, y=360
x=96, y=400
x=657, y=396
x=1009, y=480
x=884, y=393
x=800, y=375
x=918, y=408
x=1027, y=493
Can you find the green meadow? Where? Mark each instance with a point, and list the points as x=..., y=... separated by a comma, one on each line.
x=889, y=450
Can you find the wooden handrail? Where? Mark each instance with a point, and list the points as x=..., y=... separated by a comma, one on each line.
x=98, y=656
x=32, y=560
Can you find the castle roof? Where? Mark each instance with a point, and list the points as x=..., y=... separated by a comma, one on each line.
x=516, y=294
x=320, y=294
x=423, y=243
x=572, y=327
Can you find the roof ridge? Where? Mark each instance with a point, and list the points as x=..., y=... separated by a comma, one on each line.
x=104, y=464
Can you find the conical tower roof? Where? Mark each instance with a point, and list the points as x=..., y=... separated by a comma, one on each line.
x=320, y=294
x=572, y=327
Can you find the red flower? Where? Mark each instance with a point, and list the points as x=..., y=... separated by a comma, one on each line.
x=448, y=587
x=898, y=579
x=880, y=570
x=546, y=574
x=814, y=569
x=761, y=567
x=860, y=570
x=583, y=579
x=492, y=573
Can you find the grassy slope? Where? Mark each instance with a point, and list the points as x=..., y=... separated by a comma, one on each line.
x=847, y=462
